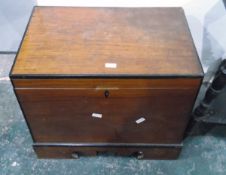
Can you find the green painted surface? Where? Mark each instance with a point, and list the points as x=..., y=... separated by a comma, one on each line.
x=201, y=155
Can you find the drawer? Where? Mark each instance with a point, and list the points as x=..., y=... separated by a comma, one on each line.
x=76, y=150
x=66, y=115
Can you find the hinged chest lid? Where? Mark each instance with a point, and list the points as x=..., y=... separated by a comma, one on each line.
x=66, y=41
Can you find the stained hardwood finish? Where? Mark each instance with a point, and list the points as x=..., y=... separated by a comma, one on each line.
x=164, y=83
x=79, y=41
x=60, y=152
x=60, y=79
x=66, y=115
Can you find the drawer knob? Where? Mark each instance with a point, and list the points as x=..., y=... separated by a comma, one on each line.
x=140, y=155
x=106, y=93
x=75, y=155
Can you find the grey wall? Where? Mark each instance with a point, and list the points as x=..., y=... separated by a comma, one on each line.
x=14, y=15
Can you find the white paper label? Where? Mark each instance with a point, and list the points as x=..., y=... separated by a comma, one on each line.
x=111, y=65
x=96, y=115
x=140, y=120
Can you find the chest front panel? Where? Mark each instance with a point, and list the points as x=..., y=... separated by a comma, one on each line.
x=65, y=114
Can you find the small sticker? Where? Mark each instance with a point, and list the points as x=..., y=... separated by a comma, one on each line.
x=140, y=120
x=96, y=115
x=111, y=65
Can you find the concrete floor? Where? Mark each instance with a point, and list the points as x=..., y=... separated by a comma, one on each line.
x=201, y=154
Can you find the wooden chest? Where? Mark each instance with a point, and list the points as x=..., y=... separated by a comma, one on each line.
x=96, y=80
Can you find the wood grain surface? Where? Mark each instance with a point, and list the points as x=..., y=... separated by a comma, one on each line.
x=66, y=152
x=65, y=115
x=96, y=83
x=79, y=41
x=60, y=79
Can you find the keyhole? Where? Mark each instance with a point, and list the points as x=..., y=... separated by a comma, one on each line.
x=106, y=94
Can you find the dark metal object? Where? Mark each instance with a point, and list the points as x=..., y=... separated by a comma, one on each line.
x=213, y=91
x=140, y=155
